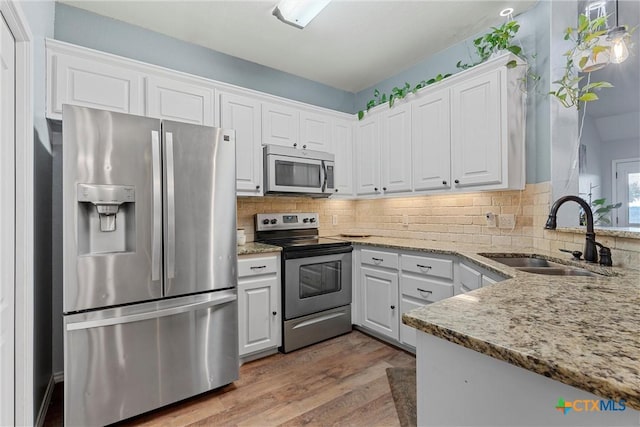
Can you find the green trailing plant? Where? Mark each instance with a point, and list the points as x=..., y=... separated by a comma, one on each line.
x=498, y=39
x=398, y=93
x=586, y=45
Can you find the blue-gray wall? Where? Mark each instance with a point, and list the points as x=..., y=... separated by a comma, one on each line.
x=87, y=29
x=40, y=18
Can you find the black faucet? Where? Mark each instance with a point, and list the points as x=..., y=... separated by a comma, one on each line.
x=590, y=252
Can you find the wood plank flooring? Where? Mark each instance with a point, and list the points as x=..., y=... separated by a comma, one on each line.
x=341, y=381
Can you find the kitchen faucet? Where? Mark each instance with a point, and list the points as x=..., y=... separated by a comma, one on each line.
x=590, y=252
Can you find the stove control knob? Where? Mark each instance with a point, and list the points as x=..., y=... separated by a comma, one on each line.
x=312, y=220
x=305, y=220
x=265, y=221
x=273, y=221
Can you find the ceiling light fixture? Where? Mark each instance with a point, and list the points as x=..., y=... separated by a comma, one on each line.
x=617, y=36
x=506, y=12
x=298, y=13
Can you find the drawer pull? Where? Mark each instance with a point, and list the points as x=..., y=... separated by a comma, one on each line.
x=393, y=307
x=258, y=267
x=274, y=312
x=426, y=267
x=377, y=260
x=423, y=291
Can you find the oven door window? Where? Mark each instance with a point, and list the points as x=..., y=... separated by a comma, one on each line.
x=297, y=174
x=321, y=278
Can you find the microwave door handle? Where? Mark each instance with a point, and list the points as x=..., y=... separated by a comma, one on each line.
x=324, y=176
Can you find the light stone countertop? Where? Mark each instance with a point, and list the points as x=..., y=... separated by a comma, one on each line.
x=581, y=331
x=624, y=232
x=252, y=248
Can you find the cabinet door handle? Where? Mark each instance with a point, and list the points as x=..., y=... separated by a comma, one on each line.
x=258, y=267
x=295, y=144
x=457, y=181
x=375, y=188
x=393, y=307
x=444, y=182
x=304, y=146
x=257, y=187
x=336, y=190
x=274, y=312
x=426, y=267
x=423, y=291
x=384, y=188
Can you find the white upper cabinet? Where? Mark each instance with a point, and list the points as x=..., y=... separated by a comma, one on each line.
x=315, y=131
x=243, y=114
x=342, y=138
x=176, y=100
x=395, y=149
x=431, y=141
x=476, y=133
x=367, y=156
x=280, y=125
x=91, y=82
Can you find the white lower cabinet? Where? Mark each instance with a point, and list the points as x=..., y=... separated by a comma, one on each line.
x=472, y=276
x=390, y=283
x=259, y=303
x=380, y=296
x=423, y=280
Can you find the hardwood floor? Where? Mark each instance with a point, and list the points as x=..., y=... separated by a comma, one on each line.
x=337, y=382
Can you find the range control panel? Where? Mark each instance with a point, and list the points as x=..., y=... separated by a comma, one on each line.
x=286, y=221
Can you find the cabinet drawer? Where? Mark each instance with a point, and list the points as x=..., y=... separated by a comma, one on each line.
x=379, y=258
x=255, y=266
x=425, y=289
x=428, y=266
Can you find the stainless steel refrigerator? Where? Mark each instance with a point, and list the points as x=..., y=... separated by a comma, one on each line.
x=150, y=299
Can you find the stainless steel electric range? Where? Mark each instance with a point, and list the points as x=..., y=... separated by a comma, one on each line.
x=316, y=278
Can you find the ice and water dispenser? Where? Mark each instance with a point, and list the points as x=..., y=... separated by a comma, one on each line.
x=106, y=218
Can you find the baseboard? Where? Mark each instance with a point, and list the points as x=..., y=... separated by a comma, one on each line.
x=58, y=377
x=42, y=413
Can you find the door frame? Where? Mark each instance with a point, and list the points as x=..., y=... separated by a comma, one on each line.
x=23, y=395
x=614, y=181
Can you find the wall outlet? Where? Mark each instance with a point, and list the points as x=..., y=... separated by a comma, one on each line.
x=491, y=219
x=507, y=221
x=405, y=219
x=334, y=219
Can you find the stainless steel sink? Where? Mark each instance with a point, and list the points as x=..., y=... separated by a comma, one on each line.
x=557, y=271
x=530, y=264
x=523, y=261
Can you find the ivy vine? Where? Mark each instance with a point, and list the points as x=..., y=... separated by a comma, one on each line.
x=498, y=39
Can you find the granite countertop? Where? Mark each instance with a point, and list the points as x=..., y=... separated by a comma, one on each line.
x=253, y=248
x=581, y=331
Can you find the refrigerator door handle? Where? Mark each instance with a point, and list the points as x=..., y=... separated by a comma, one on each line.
x=224, y=298
x=171, y=208
x=156, y=242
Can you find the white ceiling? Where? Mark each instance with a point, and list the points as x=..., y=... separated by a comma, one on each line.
x=351, y=45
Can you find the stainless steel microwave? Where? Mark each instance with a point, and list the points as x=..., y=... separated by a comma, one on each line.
x=291, y=171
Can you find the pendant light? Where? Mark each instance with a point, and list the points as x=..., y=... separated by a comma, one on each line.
x=617, y=36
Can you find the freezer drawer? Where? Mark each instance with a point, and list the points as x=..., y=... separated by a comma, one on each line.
x=125, y=361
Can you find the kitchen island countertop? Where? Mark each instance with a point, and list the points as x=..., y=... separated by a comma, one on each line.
x=581, y=331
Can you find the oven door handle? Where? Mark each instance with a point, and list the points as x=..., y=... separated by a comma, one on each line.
x=297, y=254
